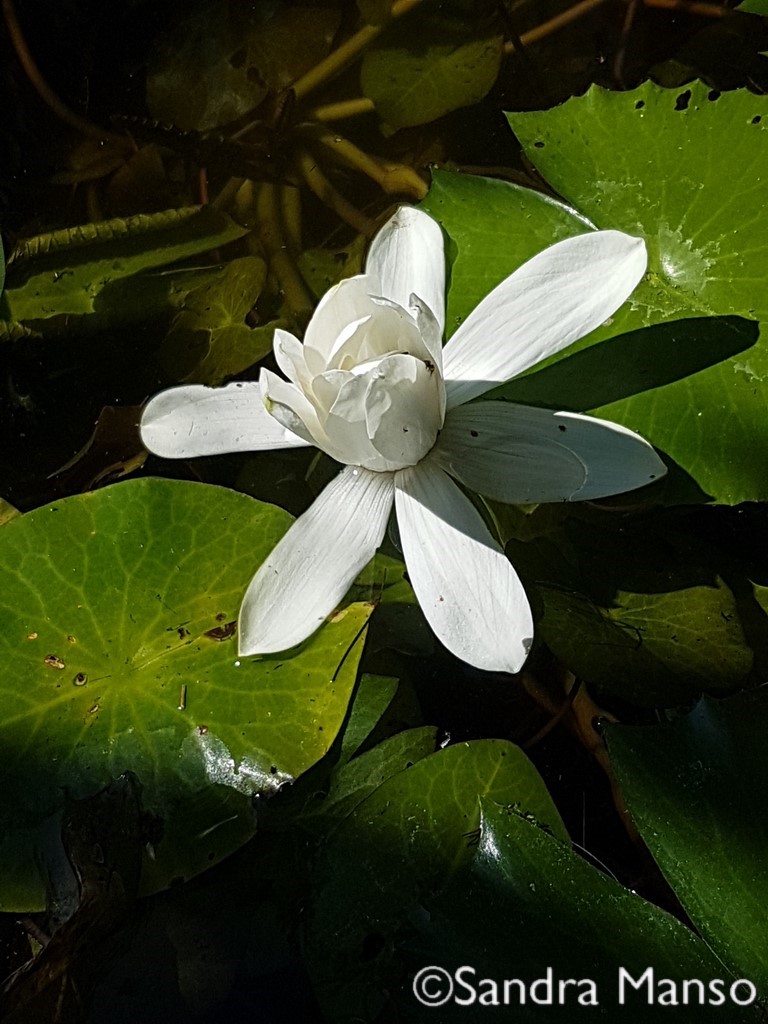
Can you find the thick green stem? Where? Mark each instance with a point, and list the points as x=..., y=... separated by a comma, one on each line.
x=342, y=110
x=335, y=62
x=281, y=261
x=393, y=178
x=327, y=194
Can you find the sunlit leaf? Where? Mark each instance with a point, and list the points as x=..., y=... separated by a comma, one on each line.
x=697, y=789
x=119, y=611
x=643, y=377
x=682, y=168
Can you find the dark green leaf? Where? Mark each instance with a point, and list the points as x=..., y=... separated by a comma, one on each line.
x=406, y=840
x=420, y=70
x=209, y=339
x=527, y=907
x=638, y=611
x=220, y=61
x=697, y=789
x=357, y=779
x=65, y=271
x=372, y=698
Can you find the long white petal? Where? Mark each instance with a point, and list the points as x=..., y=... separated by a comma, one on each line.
x=310, y=570
x=560, y=295
x=469, y=592
x=523, y=455
x=505, y=451
x=407, y=256
x=185, y=422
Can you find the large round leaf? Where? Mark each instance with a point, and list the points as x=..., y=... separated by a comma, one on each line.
x=118, y=648
x=686, y=170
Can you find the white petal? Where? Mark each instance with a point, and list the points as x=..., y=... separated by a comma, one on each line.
x=523, y=455
x=469, y=592
x=289, y=406
x=430, y=331
x=616, y=458
x=560, y=295
x=403, y=413
x=185, y=422
x=407, y=256
x=310, y=570
x=505, y=452
x=290, y=357
x=344, y=304
x=388, y=329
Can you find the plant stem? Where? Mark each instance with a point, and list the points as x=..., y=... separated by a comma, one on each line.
x=343, y=109
x=558, y=22
x=393, y=178
x=44, y=91
x=290, y=209
x=281, y=261
x=336, y=61
x=327, y=194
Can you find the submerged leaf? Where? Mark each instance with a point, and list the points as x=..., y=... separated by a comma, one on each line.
x=423, y=69
x=65, y=271
x=209, y=339
x=221, y=61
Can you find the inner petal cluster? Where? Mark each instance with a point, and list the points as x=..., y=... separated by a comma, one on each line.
x=368, y=391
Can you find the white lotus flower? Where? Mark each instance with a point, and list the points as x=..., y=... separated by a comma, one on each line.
x=373, y=387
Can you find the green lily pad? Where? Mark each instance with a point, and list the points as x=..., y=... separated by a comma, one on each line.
x=696, y=789
x=527, y=907
x=423, y=68
x=404, y=841
x=683, y=168
x=119, y=610
x=639, y=611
